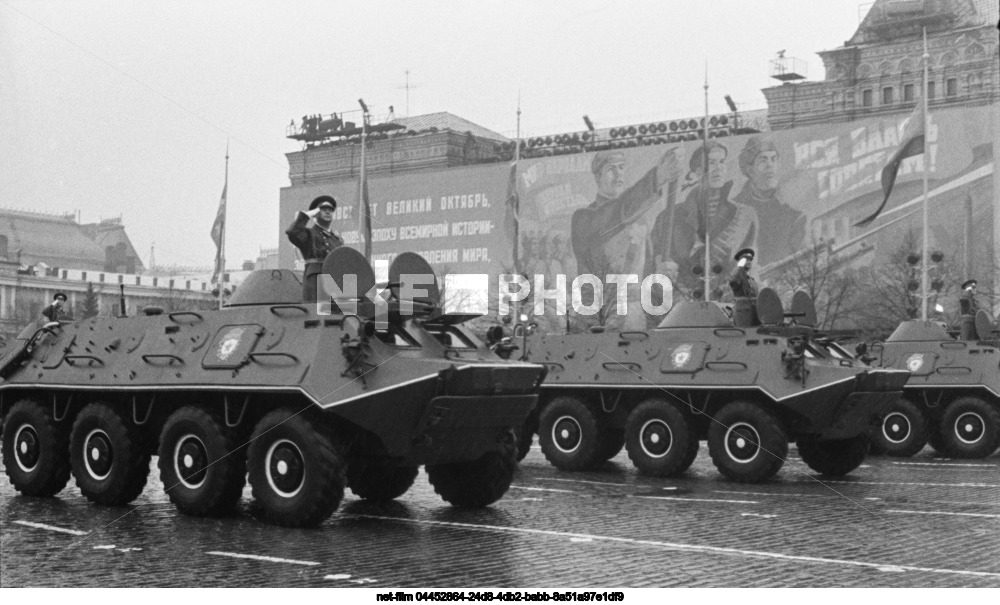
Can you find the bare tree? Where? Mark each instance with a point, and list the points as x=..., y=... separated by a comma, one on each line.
x=892, y=289
x=821, y=273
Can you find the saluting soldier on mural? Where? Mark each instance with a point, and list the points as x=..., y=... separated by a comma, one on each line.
x=609, y=236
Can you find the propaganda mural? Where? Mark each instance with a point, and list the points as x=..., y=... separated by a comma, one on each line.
x=647, y=209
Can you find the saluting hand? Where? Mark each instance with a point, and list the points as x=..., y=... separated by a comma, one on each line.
x=312, y=213
x=670, y=167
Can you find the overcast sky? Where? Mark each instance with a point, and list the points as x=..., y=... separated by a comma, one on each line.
x=123, y=107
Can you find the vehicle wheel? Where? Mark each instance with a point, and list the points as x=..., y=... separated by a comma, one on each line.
x=658, y=438
x=480, y=483
x=612, y=441
x=296, y=474
x=903, y=431
x=689, y=458
x=834, y=457
x=35, y=450
x=525, y=436
x=747, y=443
x=380, y=483
x=202, y=470
x=970, y=428
x=109, y=459
x=568, y=434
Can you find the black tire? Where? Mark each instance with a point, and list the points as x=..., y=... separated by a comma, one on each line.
x=834, y=457
x=525, y=436
x=296, y=474
x=903, y=431
x=970, y=428
x=380, y=483
x=35, y=450
x=747, y=443
x=658, y=438
x=612, y=442
x=692, y=453
x=568, y=434
x=202, y=470
x=480, y=483
x=110, y=462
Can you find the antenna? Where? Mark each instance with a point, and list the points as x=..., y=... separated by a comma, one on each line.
x=408, y=86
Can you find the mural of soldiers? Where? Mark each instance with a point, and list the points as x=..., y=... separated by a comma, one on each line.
x=783, y=228
x=731, y=226
x=609, y=236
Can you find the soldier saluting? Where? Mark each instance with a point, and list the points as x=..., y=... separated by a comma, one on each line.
x=314, y=242
x=740, y=280
x=967, y=302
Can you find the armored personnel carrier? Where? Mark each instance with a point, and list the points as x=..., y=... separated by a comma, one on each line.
x=952, y=399
x=748, y=389
x=304, y=399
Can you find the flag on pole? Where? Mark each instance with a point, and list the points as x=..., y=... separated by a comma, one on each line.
x=912, y=143
x=510, y=216
x=218, y=231
x=366, y=219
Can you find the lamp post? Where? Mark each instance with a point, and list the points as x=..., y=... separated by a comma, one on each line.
x=590, y=127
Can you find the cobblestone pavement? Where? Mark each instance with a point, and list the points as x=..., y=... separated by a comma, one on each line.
x=921, y=521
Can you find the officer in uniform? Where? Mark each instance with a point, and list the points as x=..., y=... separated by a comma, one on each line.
x=314, y=242
x=54, y=310
x=967, y=302
x=740, y=280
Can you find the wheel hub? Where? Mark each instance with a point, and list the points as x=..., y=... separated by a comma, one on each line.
x=26, y=448
x=656, y=438
x=742, y=442
x=970, y=427
x=896, y=427
x=567, y=434
x=98, y=455
x=285, y=468
x=190, y=461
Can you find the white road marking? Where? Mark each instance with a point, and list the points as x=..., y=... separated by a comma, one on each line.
x=758, y=515
x=926, y=466
x=543, y=489
x=104, y=547
x=917, y=483
x=892, y=569
x=688, y=547
x=941, y=512
x=532, y=499
x=237, y=555
x=951, y=465
x=337, y=576
x=726, y=491
x=581, y=539
x=682, y=499
x=363, y=581
x=63, y=530
x=583, y=481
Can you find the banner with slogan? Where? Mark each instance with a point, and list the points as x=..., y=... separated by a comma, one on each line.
x=454, y=217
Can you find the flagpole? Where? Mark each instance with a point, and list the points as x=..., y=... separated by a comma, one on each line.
x=517, y=200
x=222, y=235
x=361, y=186
x=704, y=193
x=927, y=165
